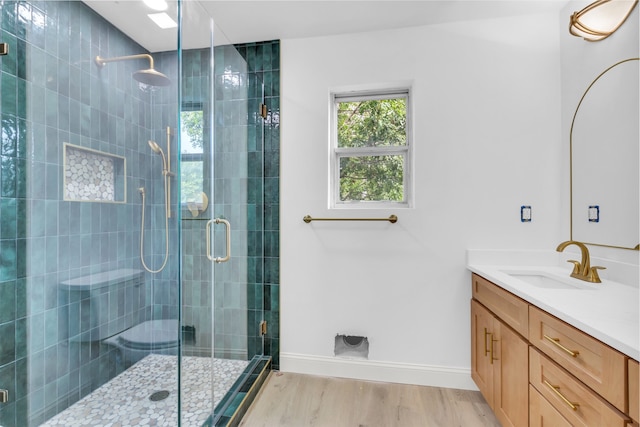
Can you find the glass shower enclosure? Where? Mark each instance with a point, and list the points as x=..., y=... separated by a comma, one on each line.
x=131, y=210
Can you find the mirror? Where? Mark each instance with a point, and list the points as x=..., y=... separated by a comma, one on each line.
x=604, y=138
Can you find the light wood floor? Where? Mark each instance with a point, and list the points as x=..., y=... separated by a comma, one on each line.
x=297, y=400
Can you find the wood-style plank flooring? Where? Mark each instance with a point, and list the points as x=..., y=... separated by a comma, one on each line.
x=297, y=400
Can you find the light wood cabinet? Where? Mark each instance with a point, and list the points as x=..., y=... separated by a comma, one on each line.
x=536, y=370
x=481, y=357
x=634, y=390
x=499, y=366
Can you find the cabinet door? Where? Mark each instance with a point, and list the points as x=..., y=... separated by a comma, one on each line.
x=481, y=363
x=542, y=413
x=634, y=390
x=511, y=377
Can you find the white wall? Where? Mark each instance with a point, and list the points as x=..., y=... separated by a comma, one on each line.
x=487, y=108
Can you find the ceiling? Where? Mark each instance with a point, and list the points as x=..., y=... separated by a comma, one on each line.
x=241, y=21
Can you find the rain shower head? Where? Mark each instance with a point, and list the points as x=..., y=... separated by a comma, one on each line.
x=150, y=76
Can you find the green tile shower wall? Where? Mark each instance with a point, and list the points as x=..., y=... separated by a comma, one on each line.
x=264, y=60
x=52, y=92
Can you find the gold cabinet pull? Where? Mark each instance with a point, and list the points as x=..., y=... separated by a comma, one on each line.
x=486, y=347
x=491, y=348
x=228, y=240
x=556, y=342
x=556, y=390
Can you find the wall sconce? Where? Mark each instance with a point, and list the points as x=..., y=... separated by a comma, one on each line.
x=600, y=19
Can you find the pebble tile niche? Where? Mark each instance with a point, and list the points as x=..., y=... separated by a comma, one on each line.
x=93, y=176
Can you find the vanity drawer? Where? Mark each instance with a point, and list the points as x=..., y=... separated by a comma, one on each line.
x=509, y=308
x=591, y=361
x=542, y=413
x=634, y=390
x=573, y=400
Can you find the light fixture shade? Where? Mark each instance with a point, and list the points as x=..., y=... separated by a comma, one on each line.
x=158, y=5
x=600, y=19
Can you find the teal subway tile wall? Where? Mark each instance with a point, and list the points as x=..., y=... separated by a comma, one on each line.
x=53, y=93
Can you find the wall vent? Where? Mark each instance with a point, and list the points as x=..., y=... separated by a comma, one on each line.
x=351, y=346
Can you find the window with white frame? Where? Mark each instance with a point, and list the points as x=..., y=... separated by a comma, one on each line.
x=371, y=148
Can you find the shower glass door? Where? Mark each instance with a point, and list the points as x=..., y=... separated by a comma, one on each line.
x=221, y=197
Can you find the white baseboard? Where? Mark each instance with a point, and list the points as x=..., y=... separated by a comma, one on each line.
x=403, y=373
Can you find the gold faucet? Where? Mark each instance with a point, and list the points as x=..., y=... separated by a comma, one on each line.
x=582, y=270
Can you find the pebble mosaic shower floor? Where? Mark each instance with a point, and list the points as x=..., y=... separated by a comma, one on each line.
x=124, y=401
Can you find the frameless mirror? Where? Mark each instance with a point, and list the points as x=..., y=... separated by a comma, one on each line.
x=604, y=138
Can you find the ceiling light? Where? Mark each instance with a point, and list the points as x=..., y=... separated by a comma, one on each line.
x=156, y=4
x=162, y=20
x=600, y=19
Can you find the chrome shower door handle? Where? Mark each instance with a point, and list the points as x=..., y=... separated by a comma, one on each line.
x=228, y=240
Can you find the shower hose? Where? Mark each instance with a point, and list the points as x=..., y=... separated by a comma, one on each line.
x=166, y=228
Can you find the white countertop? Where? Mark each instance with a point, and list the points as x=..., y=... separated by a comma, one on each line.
x=608, y=311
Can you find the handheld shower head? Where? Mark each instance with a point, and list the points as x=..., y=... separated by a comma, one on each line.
x=156, y=149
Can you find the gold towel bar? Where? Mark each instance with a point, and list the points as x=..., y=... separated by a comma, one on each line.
x=392, y=219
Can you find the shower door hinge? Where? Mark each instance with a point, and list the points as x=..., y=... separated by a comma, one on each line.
x=263, y=328
x=4, y=48
x=263, y=111
x=4, y=396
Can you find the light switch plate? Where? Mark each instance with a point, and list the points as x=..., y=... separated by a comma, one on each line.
x=594, y=213
x=525, y=213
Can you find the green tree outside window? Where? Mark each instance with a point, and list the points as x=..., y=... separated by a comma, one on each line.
x=372, y=149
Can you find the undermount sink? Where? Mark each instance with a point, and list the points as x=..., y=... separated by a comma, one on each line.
x=544, y=280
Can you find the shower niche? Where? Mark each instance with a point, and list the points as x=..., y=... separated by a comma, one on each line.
x=93, y=176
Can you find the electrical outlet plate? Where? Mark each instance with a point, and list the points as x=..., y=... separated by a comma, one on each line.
x=525, y=213
x=594, y=213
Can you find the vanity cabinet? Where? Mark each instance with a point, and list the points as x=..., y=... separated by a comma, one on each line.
x=536, y=370
x=634, y=391
x=497, y=356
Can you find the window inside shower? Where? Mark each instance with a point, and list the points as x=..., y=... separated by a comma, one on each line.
x=192, y=159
